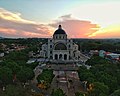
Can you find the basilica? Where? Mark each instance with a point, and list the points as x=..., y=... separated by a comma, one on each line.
x=59, y=48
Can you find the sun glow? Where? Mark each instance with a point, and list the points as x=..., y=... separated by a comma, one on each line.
x=109, y=31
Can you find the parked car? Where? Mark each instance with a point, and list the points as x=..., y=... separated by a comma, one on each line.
x=42, y=65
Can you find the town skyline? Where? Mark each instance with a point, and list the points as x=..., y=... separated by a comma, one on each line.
x=80, y=19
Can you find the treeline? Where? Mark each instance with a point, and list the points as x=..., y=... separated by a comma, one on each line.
x=85, y=45
x=102, y=78
x=23, y=41
x=34, y=44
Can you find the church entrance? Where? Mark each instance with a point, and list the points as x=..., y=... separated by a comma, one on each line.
x=60, y=57
x=56, y=57
x=65, y=57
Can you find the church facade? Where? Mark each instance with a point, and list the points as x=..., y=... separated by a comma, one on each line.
x=60, y=48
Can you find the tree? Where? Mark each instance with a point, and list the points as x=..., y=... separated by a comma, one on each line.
x=98, y=89
x=17, y=56
x=116, y=93
x=12, y=65
x=108, y=80
x=58, y=92
x=107, y=46
x=90, y=45
x=79, y=94
x=96, y=60
x=108, y=74
x=85, y=74
x=17, y=90
x=32, y=65
x=25, y=74
x=6, y=75
x=46, y=77
x=38, y=94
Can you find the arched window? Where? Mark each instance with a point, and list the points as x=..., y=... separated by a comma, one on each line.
x=59, y=37
x=50, y=57
x=50, y=52
x=60, y=56
x=60, y=46
x=50, y=46
x=56, y=56
x=69, y=57
x=69, y=46
x=65, y=57
x=56, y=37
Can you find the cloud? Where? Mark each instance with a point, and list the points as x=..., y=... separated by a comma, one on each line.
x=104, y=13
x=12, y=25
x=76, y=28
x=65, y=17
x=111, y=31
x=7, y=15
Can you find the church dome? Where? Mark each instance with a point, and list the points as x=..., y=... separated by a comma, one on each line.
x=59, y=30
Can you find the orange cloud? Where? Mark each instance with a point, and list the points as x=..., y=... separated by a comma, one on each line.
x=13, y=22
x=13, y=25
x=76, y=28
x=7, y=31
x=30, y=34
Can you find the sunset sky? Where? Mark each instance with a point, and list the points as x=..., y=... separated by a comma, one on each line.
x=79, y=18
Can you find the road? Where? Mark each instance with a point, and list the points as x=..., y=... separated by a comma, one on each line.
x=34, y=82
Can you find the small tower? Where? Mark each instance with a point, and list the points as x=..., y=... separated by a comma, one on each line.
x=59, y=27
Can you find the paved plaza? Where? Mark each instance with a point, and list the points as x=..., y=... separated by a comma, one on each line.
x=68, y=81
x=61, y=67
x=66, y=78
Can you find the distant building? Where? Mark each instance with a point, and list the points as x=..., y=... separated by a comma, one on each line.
x=60, y=48
x=113, y=56
x=102, y=53
x=94, y=52
x=2, y=54
x=109, y=55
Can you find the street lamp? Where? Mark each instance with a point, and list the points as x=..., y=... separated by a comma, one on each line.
x=85, y=85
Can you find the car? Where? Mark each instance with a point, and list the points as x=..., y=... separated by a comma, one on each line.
x=63, y=80
x=78, y=64
x=42, y=65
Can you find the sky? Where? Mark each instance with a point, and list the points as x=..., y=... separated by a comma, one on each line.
x=79, y=18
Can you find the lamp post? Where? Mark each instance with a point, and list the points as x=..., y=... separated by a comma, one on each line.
x=85, y=85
